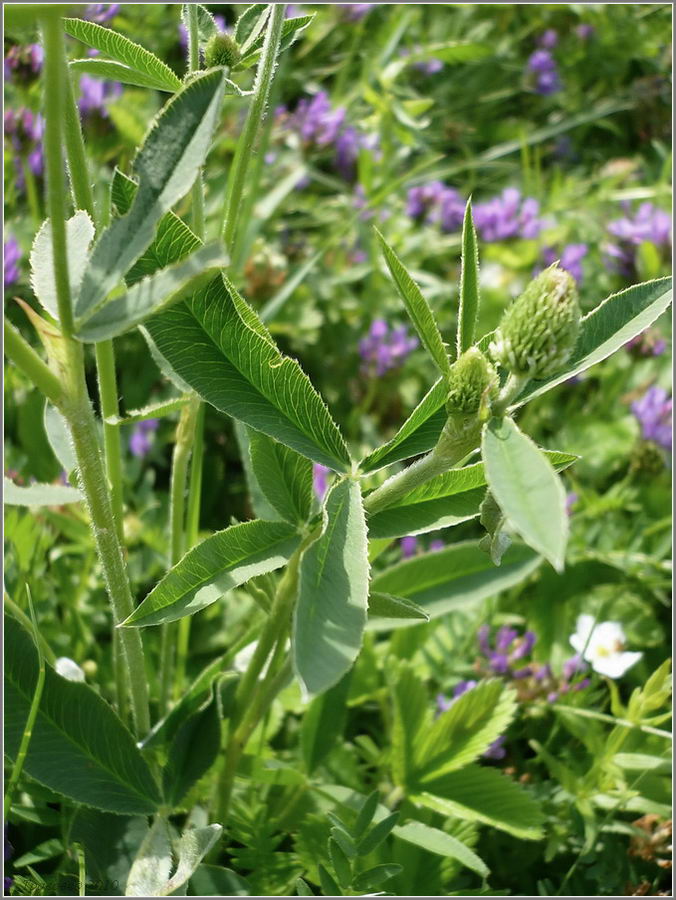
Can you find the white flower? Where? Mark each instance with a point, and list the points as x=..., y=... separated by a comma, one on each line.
x=602, y=646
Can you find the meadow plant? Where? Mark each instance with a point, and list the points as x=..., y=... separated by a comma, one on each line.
x=175, y=774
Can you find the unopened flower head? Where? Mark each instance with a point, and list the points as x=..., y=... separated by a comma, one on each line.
x=221, y=50
x=473, y=382
x=602, y=646
x=538, y=332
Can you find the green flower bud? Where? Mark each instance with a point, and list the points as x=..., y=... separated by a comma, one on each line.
x=538, y=332
x=471, y=384
x=221, y=50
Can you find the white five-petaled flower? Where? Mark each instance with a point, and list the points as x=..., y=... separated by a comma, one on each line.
x=602, y=646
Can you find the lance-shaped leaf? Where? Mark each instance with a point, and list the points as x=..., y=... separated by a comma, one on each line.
x=433, y=840
x=284, y=476
x=291, y=30
x=469, y=284
x=329, y=619
x=605, y=329
x=251, y=23
x=457, y=577
x=464, y=731
x=154, y=294
x=167, y=164
x=481, y=794
x=385, y=606
x=221, y=562
x=114, y=71
x=152, y=411
x=417, y=307
x=79, y=747
x=123, y=50
x=526, y=488
x=193, y=751
x=419, y=433
x=79, y=235
x=39, y=494
x=218, y=346
x=443, y=501
x=206, y=24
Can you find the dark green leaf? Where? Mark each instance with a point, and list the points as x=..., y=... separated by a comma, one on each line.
x=79, y=747
x=221, y=562
x=330, y=615
x=469, y=284
x=327, y=882
x=125, y=51
x=172, y=153
x=284, y=476
x=419, y=433
x=115, y=71
x=457, y=577
x=206, y=24
x=217, y=881
x=371, y=878
x=366, y=813
x=340, y=862
x=251, y=22
x=240, y=371
x=323, y=724
x=417, y=308
x=435, y=841
x=193, y=751
x=376, y=835
x=291, y=30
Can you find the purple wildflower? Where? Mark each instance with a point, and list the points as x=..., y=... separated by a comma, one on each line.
x=320, y=480
x=548, y=39
x=542, y=65
x=95, y=94
x=552, y=696
x=23, y=63
x=355, y=12
x=653, y=412
x=496, y=749
x=572, y=666
x=383, y=349
x=140, y=442
x=585, y=31
x=581, y=685
x=571, y=500
x=437, y=545
x=620, y=258
x=648, y=224
x=11, y=257
x=25, y=128
x=101, y=12
x=443, y=704
x=570, y=258
x=436, y=203
x=409, y=545
x=462, y=687
x=507, y=216
x=647, y=343
x=508, y=647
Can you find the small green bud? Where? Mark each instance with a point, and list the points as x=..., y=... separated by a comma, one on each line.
x=471, y=384
x=221, y=50
x=538, y=332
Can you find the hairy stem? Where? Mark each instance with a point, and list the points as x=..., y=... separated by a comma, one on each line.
x=453, y=446
x=75, y=403
x=179, y=477
x=247, y=140
x=20, y=352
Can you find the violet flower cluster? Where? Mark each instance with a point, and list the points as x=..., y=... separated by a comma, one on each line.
x=409, y=546
x=11, y=256
x=507, y=215
x=653, y=412
x=25, y=129
x=101, y=12
x=23, y=63
x=95, y=94
x=647, y=343
x=541, y=66
x=355, y=12
x=320, y=480
x=384, y=348
x=570, y=258
x=140, y=441
x=319, y=124
x=648, y=224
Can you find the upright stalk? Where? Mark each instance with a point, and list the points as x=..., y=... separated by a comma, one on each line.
x=247, y=140
x=179, y=477
x=83, y=198
x=75, y=403
x=193, y=65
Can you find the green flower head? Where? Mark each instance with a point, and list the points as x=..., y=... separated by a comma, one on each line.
x=221, y=50
x=471, y=384
x=538, y=332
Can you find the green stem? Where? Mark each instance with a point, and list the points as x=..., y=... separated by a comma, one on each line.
x=20, y=352
x=31, y=192
x=179, y=477
x=193, y=65
x=247, y=140
x=78, y=171
x=453, y=446
x=622, y=723
x=55, y=54
x=509, y=393
x=32, y=715
x=21, y=616
x=75, y=403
